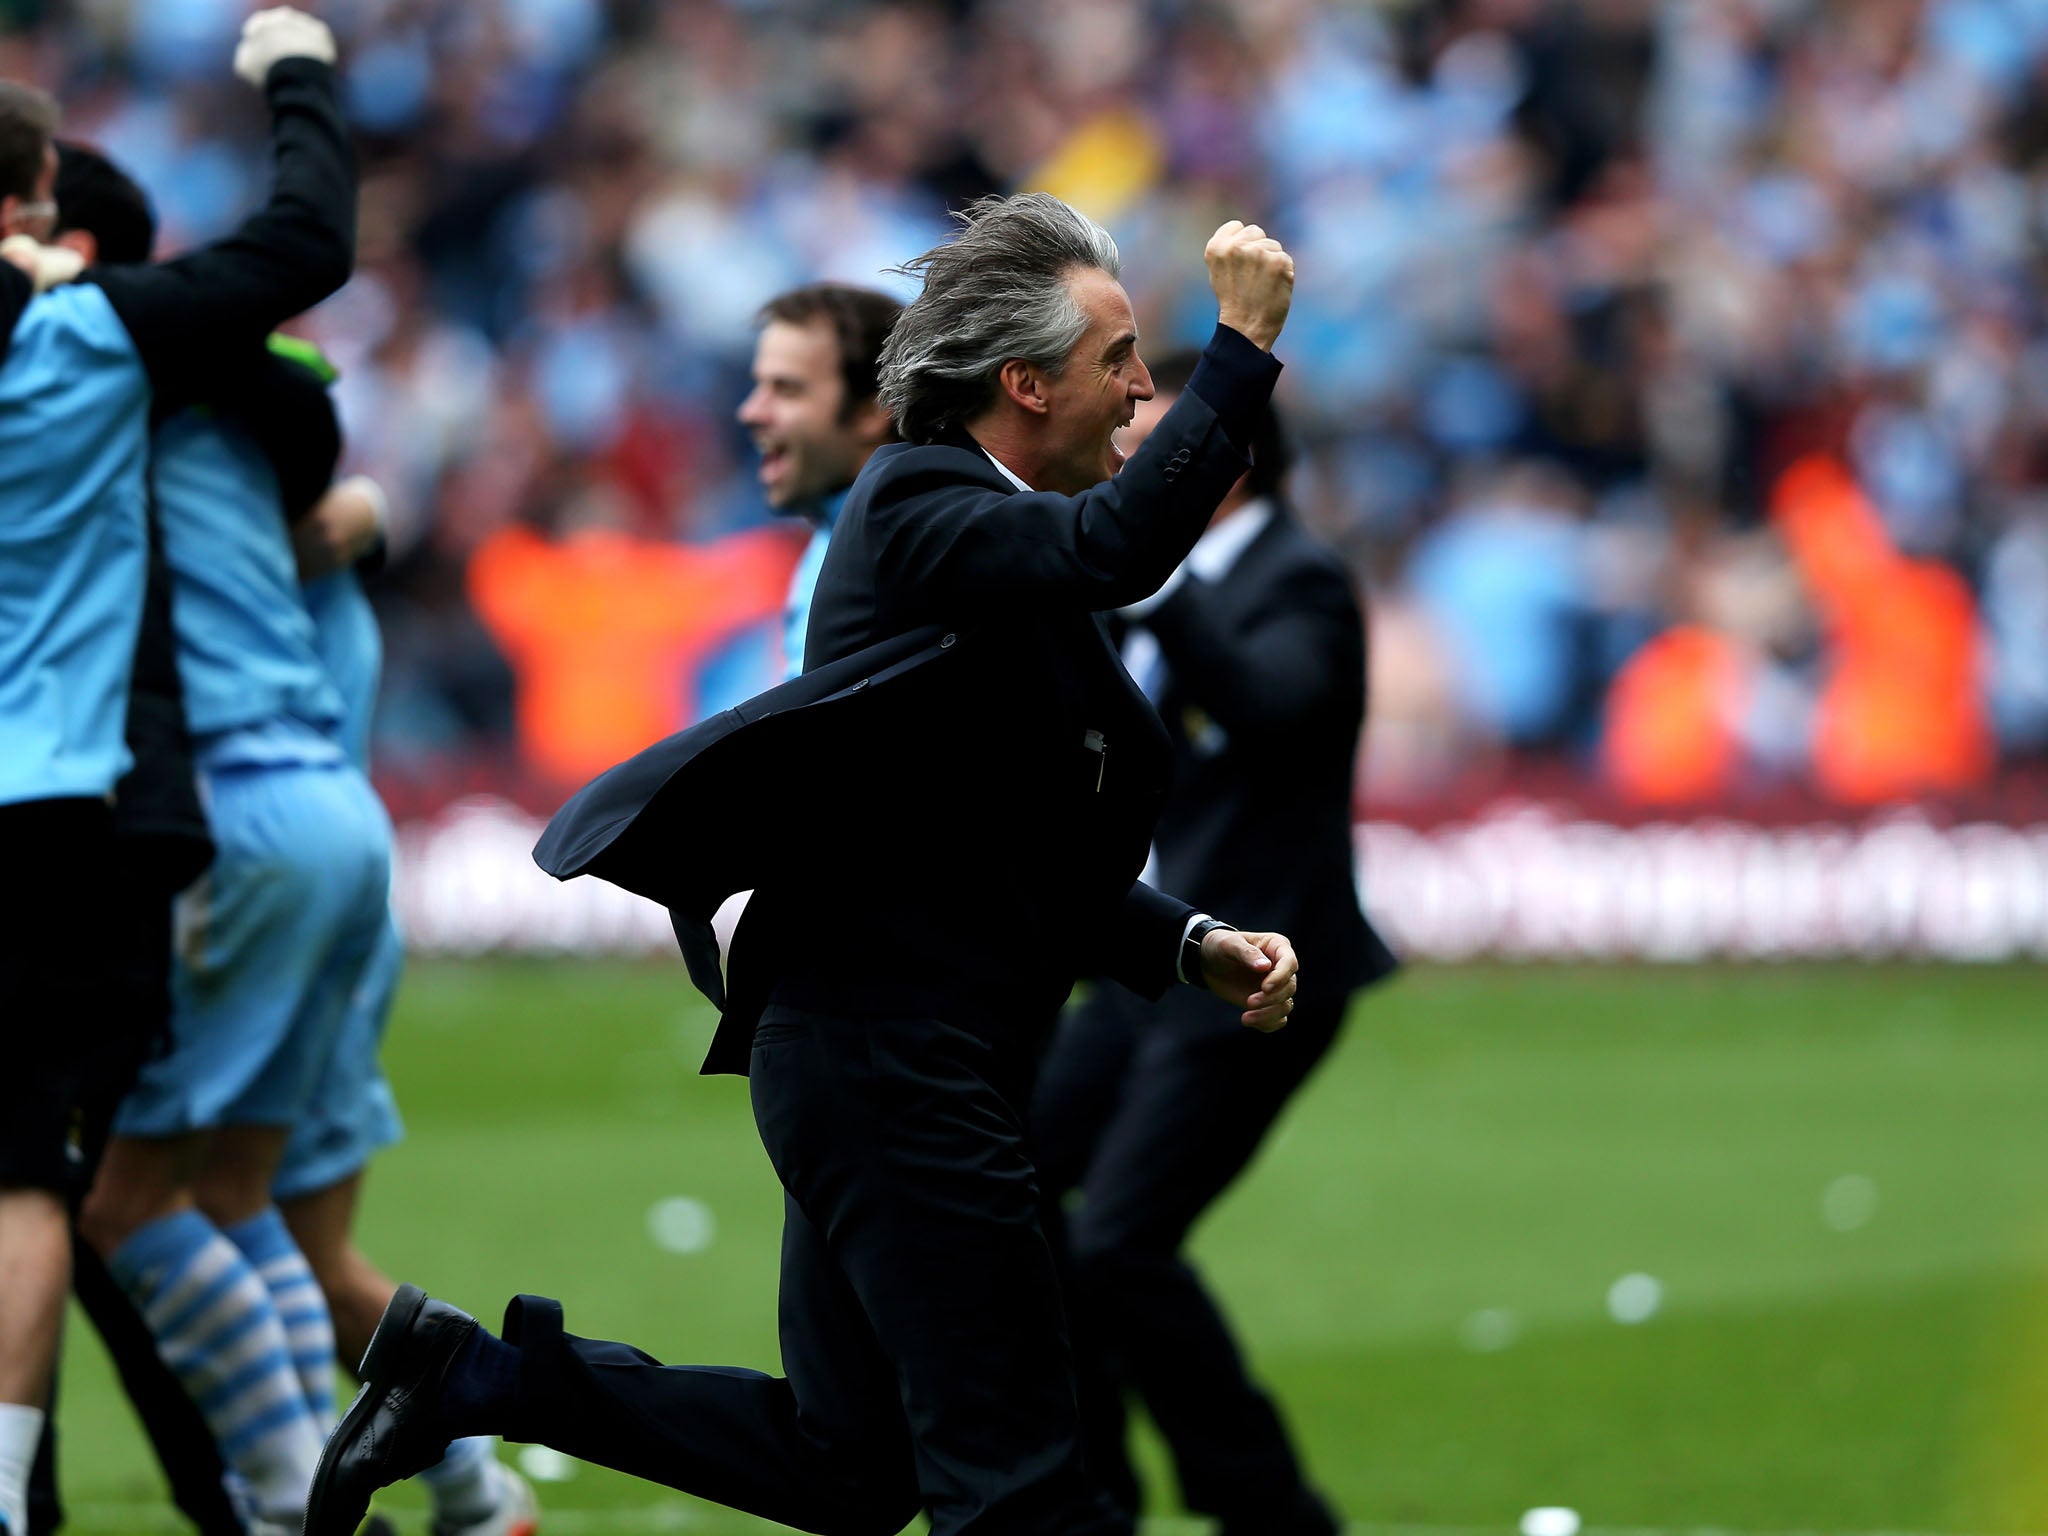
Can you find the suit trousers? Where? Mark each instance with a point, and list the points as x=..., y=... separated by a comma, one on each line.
x=922, y=1330
x=1150, y=1111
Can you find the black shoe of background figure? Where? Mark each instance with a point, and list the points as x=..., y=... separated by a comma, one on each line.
x=391, y=1430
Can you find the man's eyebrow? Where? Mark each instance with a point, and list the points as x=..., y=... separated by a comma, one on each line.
x=1127, y=340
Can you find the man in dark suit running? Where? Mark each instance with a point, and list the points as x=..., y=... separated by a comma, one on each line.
x=911, y=936
x=1254, y=653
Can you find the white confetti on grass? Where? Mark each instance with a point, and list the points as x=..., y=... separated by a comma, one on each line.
x=1489, y=1330
x=1849, y=1202
x=1550, y=1520
x=681, y=1224
x=1634, y=1298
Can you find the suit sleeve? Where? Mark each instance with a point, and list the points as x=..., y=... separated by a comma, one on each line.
x=1141, y=947
x=193, y=316
x=950, y=547
x=1275, y=676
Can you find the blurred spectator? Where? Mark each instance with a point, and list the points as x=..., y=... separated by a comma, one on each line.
x=1580, y=281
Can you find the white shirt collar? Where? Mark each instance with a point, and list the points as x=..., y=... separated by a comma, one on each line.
x=1217, y=550
x=1009, y=474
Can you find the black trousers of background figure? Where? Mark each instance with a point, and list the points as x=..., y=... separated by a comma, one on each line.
x=922, y=1329
x=1150, y=1111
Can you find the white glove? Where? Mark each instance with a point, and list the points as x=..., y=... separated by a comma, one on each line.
x=46, y=265
x=280, y=33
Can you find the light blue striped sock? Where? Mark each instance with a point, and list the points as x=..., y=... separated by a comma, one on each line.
x=217, y=1330
x=464, y=1482
x=266, y=1242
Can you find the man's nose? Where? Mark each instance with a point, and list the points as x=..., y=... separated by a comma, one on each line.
x=1141, y=386
x=749, y=412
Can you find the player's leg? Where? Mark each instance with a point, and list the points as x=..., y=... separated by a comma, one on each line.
x=233, y=1189
x=252, y=934
x=178, y=1432
x=46, y=1024
x=327, y=845
x=357, y=1291
x=1203, y=1093
x=210, y=1313
x=349, y=1118
x=136, y=911
x=34, y=1276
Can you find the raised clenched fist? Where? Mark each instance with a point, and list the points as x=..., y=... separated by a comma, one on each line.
x=1254, y=281
x=280, y=33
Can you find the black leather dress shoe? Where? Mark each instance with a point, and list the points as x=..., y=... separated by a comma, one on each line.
x=391, y=1430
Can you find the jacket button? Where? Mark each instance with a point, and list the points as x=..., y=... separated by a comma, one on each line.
x=943, y=644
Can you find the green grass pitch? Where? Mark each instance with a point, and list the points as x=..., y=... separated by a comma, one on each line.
x=1837, y=1178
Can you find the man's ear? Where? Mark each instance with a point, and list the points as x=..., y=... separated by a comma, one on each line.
x=82, y=241
x=1023, y=384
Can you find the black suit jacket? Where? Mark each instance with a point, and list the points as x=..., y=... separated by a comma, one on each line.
x=1263, y=699
x=947, y=812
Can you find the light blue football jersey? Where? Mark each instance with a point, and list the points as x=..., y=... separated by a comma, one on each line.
x=352, y=649
x=74, y=442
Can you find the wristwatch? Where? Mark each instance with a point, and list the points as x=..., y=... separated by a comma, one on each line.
x=1191, y=948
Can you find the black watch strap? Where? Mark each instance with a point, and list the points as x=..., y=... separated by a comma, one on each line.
x=1191, y=948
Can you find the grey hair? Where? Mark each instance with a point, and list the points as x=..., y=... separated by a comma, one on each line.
x=995, y=291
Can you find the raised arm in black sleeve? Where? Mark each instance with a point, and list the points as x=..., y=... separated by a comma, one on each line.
x=201, y=314
x=948, y=549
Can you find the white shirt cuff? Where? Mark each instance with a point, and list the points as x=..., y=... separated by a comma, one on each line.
x=1180, y=949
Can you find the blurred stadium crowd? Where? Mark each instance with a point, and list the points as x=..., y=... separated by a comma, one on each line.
x=1672, y=373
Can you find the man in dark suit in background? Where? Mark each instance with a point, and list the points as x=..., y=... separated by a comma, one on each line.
x=912, y=932
x=1254, y=653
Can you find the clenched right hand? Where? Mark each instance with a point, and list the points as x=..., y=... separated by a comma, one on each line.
x=1254, y=281
x=280, y=33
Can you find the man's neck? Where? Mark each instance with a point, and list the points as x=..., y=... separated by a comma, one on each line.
x=1007, y=450
x=823, y=511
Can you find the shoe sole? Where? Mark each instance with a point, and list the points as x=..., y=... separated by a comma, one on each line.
x=397, y=1321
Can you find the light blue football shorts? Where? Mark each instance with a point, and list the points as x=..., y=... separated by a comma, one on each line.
x=352, y=1115
x=272, y=943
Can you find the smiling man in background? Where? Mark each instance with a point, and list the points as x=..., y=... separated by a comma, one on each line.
x=813, y=415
